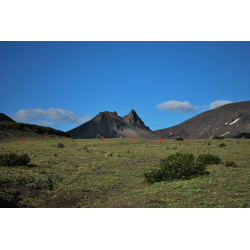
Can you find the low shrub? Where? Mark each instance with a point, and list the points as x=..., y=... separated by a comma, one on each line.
x=176, y=166
x=12, y=159
x=222, y=145
x=230, y=164
x=217, y=137
x=179, y=139
x=208, y=159
x=209, y=143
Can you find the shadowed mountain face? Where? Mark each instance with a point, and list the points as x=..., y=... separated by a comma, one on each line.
x=110, y=125
x=5, y=118
x=230, y=120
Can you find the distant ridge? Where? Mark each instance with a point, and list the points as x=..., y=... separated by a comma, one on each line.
x=5, y=118
x=110, y=125
x=230, y=120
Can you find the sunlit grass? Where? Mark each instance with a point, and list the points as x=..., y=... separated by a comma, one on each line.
x=81, y=178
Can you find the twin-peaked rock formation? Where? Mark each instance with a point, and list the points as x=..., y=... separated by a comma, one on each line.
x=110, y=125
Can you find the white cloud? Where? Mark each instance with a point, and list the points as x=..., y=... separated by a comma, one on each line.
x=179, y=107
x=52, y=114
x=217, y=104
x=47, y=124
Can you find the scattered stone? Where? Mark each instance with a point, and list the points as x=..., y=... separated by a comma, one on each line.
x=6, y=172
x=101, y=151
x=243, y=137
x=33, y=155
x=78, y=149
x=53, y=145
x=85, y=148
x=2, y=148
x=60, y=145
x=108, y=154
x=74, y=144
x=144, y=145
x=89, y=151
x=135, y=161
x=128, y=152
x=236, y=142
x=197, y=151
x=55, y=155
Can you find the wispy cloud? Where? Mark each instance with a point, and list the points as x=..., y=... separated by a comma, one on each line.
x=47, y=124
x=179, y=107
x=52, y=114
x=217, y=104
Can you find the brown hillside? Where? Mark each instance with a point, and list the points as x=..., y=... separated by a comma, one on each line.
x=230, y=120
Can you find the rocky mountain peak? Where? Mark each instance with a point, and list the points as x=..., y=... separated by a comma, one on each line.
x=106, y=116
x=135, y=120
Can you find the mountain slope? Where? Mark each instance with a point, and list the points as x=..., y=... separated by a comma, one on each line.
x=231, y=120
x=5, y=118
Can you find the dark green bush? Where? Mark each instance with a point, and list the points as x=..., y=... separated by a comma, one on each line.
x=209, y=143
x=179, y=139
x=35, y=128
x=208, y=159
x=222, y=145
x=39, y=130
x=217, y=137
x=175, y=166
x=12, y=159
x=230, y=164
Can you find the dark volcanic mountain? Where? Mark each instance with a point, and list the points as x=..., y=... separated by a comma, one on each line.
x=110, y=125
x=230, y=120
x=5, y=118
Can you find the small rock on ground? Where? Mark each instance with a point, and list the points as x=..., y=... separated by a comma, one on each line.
x=108, y=154
x=60, y=145
x=236, y=142
x=144, y=145
x=197, y=151
x=6, y=172
x=55, y=155
x=135, y=161
x=128, y=152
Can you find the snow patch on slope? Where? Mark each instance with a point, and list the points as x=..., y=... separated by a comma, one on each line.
x=225, y=133
x=234, y=121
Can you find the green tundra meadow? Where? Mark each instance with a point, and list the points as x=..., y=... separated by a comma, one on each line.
x=89, y=173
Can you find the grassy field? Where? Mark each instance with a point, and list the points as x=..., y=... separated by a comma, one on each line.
x=81, y=175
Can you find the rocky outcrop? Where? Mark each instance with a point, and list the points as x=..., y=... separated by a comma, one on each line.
x=110, y=125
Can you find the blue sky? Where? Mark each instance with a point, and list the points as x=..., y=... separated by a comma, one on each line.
x=65, y=84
